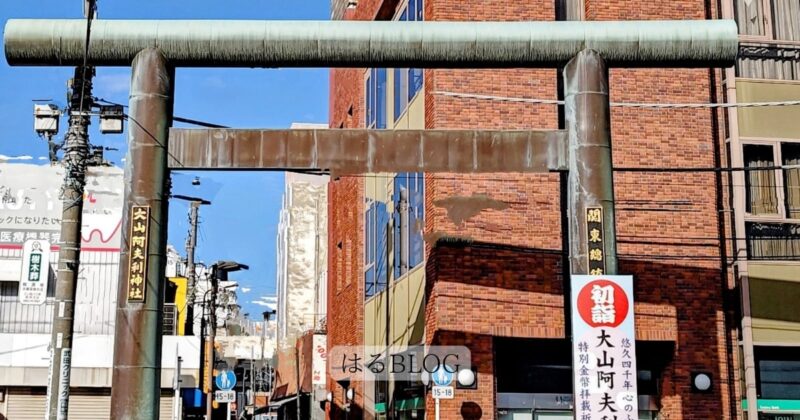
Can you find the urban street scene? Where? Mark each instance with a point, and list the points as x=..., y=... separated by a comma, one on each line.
x=400, y=209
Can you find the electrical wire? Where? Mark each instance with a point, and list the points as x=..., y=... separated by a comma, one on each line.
x=619, y=104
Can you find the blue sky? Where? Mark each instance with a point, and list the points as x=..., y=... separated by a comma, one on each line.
x=241, y=223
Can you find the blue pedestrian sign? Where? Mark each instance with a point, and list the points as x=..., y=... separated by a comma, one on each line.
x=442, y=376
x=225, y=380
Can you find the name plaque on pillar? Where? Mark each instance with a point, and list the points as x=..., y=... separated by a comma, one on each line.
x=137, y=253
x=594, y=237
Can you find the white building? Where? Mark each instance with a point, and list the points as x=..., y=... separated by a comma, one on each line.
x=302, y=291
x=30, y=208
x=302, y=257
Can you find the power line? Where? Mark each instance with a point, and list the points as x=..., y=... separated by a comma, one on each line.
x=619, y=104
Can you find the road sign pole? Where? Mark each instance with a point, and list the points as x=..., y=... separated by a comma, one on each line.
x=228, y=414
x=436, y=401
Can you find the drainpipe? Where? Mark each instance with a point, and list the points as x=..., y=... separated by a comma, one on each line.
x=739, y=194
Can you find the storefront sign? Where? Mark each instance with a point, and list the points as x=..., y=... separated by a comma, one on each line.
x=137, y=253
x=604, y=349
x=318, y=359
x=35, y=272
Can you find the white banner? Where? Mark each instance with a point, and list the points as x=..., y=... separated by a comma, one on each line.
x=604, y=348
x=35, y=272
x=318, y=358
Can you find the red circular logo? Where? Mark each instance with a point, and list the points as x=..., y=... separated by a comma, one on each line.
x=602, y=303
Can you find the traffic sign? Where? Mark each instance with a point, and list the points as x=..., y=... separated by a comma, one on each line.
x=224, y=396
x=442, y=392
x=226, y=380
x=443, y=376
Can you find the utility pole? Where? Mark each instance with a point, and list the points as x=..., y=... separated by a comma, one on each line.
x=191, y=243
x=176, y=384
x=210, y=337
x=76, y=151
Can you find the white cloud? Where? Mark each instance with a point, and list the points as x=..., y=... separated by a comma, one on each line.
x=43, y=158
x=245, y=289
x=266, y=301
x=23, y=157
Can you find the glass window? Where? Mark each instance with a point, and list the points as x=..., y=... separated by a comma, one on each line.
x=760, y=183
x=778, y=370
x=409, y=196
x=407, y=82
x=790, y=155
x=376, y=225
x=376, y=99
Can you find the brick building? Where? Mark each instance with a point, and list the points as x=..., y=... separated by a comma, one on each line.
x=479, y=260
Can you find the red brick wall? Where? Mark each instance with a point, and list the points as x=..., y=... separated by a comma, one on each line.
x=506, y=280
x=345, y=319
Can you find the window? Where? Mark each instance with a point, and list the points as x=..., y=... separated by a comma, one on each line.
x=762, y=195
x=772, y=191
x=376, y=233
x=790, y=155
x=769, y=19
x=778, y=370
x=375, y=100
x=773, y=200
x=407, y=82
x=409, y=188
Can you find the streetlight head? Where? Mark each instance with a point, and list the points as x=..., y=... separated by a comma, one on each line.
x=196, y=181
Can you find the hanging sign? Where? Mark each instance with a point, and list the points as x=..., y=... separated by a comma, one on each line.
x=604, y=348
x=137, y=253
x=320, y=350
x=35, y=272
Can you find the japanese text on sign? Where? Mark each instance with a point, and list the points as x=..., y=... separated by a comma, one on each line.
x=35, y=272
x=137, y=255
x=594, y=237
x=604, y=348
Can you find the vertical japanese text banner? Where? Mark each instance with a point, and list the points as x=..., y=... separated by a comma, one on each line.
x=604, y=348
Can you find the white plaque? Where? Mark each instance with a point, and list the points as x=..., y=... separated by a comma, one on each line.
x=35, y=272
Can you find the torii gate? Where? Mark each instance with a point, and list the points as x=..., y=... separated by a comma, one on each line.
x=155, y=48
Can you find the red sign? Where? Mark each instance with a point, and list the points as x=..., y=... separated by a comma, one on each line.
x=602, y=303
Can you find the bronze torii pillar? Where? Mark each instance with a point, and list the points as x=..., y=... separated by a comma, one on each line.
x=136, y=384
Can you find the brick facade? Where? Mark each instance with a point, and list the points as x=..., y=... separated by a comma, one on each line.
x=498, y=274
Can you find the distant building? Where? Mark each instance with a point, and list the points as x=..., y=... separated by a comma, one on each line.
x=30, y=208
x=302, y=294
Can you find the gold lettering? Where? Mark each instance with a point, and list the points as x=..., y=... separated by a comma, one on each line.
x=594, y=215
x=595, y=255
x=139, y=213
x=594, y=235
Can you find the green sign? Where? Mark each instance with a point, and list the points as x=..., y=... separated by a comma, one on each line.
x=776, y=405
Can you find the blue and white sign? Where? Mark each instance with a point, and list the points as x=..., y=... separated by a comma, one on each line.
x=226, y=380
x=443, y=376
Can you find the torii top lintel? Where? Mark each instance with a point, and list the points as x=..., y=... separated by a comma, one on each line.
x=227, y=43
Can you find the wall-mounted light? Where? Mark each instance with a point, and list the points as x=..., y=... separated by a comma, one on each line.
x=350, y=394
x=701, y=382
x=352, y=4
x=466, y=379
x=329, y=397
x=425, y=377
